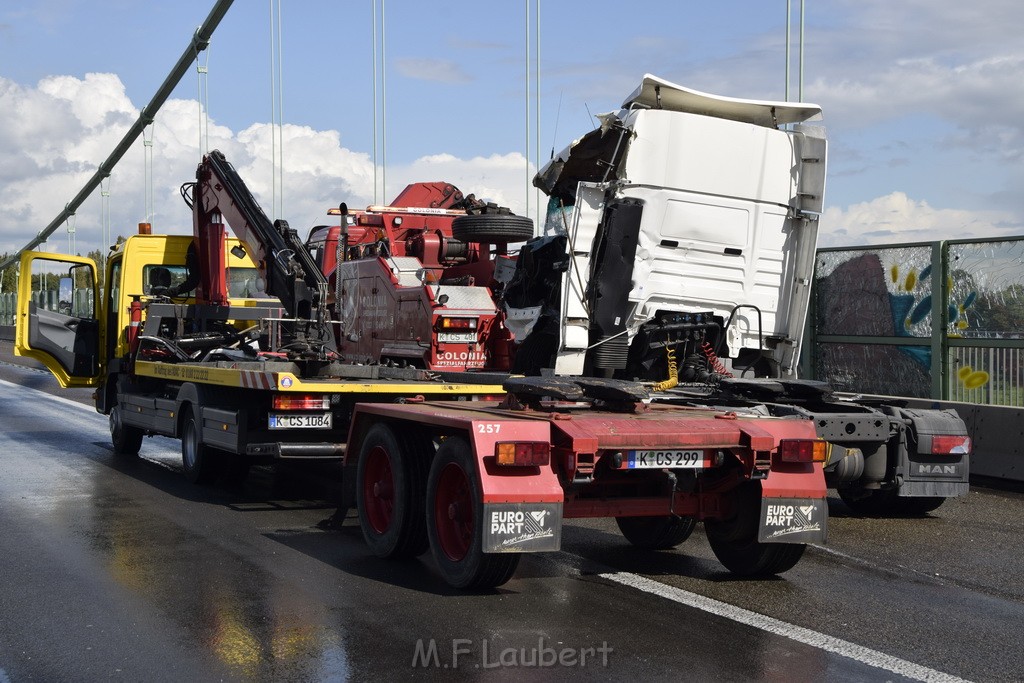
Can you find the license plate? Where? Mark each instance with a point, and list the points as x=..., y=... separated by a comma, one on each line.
x=457, y=337
x=299, y=421
x=670, y=459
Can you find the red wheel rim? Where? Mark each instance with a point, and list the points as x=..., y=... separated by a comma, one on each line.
x=378, y=490
x=453, y=512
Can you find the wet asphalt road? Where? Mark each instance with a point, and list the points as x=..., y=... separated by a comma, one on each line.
x=124, y=571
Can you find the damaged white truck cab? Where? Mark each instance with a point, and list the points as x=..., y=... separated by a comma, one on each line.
x=679, y=248
x=733, y=238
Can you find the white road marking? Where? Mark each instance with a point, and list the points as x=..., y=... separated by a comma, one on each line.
x=68, y=401
x=843, y=648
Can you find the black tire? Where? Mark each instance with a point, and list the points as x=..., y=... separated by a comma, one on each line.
x=656, y=533
x=391, y=505
x=872, y=503
x=920, y=505
x=236, y=468
x=886, y=502
x=198, y=460
x=734, y=541
x=454, y=516
x=127, y=439
x=492, y=228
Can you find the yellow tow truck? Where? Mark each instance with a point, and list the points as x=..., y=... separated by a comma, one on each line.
x=236, y=406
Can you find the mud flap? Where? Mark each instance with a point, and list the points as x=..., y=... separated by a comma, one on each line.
x=793, y=520
x=922, y=473
x=522, y=527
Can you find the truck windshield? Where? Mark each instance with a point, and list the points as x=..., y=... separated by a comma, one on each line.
x=243, y=284
x=162, y=276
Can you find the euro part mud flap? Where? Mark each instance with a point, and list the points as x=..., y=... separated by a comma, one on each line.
x=793, y=520
x=522, y=527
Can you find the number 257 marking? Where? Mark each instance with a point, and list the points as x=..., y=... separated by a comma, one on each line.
x=488, y=428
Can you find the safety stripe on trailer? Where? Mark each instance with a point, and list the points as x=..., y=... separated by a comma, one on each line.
x=258, y=380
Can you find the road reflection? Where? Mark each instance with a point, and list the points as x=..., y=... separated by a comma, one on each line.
x=253, y=621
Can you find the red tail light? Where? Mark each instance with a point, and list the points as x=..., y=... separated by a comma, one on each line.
x=951, y=445
x=456, y=324
x=302, y=401
x=522, y=453
x=803, y=450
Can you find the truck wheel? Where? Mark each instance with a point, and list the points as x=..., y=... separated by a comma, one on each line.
x=734, y=541
x=492, y=228
x=920, y=505
x=873, y=503
x=455, y=520
x=127, y=440
x=656, y=533
x=884, y=502
x=391, y=487
x=236, y=468
x=197, y=459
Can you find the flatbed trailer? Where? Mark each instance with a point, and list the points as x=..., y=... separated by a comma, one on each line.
x=262, y=412
x=496, y=479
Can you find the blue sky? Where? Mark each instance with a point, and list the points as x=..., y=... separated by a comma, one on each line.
x=922, y=100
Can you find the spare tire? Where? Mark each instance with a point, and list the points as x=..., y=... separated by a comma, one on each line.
x=493, y=228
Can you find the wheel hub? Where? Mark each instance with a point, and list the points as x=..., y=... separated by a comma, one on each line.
x=379, y=490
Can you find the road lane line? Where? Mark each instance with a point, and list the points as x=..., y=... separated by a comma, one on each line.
x=843, y=648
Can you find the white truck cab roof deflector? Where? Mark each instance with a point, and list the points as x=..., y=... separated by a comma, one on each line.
x=658, y=93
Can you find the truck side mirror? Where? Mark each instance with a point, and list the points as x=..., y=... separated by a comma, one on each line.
x=65, y=294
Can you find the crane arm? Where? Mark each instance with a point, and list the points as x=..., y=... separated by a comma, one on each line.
x=288, y=269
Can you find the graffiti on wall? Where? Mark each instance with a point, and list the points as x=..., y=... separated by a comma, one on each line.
x=879, y=293
x=887, y=293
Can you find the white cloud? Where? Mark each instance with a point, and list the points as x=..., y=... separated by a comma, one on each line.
x=897, y=218
x=498, y=178
x=54, y=135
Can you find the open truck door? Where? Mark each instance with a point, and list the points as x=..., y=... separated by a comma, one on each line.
x=57, y=321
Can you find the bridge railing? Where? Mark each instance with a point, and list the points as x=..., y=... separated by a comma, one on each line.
x=80, y=303
x=940, y=320
x=8, y=307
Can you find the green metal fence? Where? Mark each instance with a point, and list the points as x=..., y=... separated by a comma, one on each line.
x=941, y=320
x=8, y=307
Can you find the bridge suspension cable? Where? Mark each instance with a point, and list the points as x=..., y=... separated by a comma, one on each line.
x=380, y=117
x=147, y=146
x=70, y=221
x=276, y=111
x=200, y=41
x=203, y=98
x=105, y=212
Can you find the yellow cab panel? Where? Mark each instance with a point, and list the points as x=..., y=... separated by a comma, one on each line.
x=60, y=306
x=143, y=264
x=58, y=317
